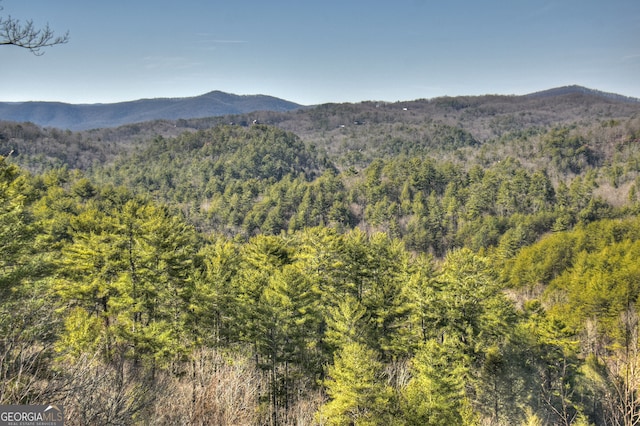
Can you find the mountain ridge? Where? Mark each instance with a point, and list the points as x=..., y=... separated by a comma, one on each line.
x=575, y=89
x=216, y=103
x=89, y=116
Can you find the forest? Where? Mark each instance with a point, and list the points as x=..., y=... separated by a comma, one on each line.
x=468, y=264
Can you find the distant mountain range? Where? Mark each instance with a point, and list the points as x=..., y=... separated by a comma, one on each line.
x=212, y=104
x=92, y=116
x=580, y=90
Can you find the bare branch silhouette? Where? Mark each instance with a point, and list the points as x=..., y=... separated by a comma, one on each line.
x=14, y=32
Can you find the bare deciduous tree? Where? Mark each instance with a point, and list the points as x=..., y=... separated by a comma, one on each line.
x=621, y=373
x=14, y=32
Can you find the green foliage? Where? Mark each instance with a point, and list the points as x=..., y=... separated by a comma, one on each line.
x=218, y=174
x=569, y=153
x=14, y=228
x=457, y=279
x=357, y=391
x=542, y=262
x=28, y=325
x=132, y=270
x=471, y=301
x=601, y=285
x=261, y=180
x=347, y=323
x=435, y=395
x=215, y=292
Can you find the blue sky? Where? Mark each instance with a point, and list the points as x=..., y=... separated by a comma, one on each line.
x=323, y=51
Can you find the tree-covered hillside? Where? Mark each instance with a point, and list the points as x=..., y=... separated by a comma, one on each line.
x=473, y=263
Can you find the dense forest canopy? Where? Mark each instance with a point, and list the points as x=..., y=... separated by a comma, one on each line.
x=452, y=261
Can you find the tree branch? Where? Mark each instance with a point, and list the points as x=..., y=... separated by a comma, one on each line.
x=15, y=33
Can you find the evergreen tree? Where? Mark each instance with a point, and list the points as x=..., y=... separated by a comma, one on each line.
x=131, y=268
x=279, y=316
x=16, y=232
x=435, y=395
x=357, y=389
x=214, y=305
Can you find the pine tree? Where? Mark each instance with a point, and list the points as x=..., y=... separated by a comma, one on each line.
x=421, y=291
x=16, y=234
x=357, y=391
x=347, y=323
x=467, y=285
x=435, y=395
x=214, y=303
x=131, y=268
x=279, y=316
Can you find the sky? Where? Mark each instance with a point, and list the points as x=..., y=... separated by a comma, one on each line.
x=313, y=52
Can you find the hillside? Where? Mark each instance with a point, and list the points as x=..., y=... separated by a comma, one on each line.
x=365, y=131
x=564, y=133
x=467, y=260
x=351, y=135
x=91, y=116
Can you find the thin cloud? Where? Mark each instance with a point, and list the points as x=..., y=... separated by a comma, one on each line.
x=211, y=39
x=229, y=41
x=633, y=57
x=168, y=62
x=209, y=42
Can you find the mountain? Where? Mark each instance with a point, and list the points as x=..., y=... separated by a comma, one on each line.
x=351, y=135
x=91, y=116
x=580, y=90
x=546, y=106
x=368, y=127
